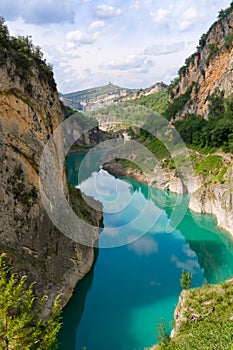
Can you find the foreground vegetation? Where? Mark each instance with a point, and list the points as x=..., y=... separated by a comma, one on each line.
x=207, y=320
x=21, y=324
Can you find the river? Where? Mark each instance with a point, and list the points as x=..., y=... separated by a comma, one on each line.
x=134, y=282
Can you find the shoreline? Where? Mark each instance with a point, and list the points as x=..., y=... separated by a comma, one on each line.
x=214, y=199
x=78, y=151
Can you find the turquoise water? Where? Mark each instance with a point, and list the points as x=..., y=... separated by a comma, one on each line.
x=132, y=286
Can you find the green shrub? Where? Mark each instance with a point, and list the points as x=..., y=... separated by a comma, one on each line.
x=178, y=104
x=186, y=280
x=21, y=325
x=209, y=165
x=213, y=52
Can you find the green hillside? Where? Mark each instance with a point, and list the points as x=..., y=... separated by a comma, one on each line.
x=88, y=94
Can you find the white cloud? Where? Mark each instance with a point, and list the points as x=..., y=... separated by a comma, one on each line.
x=96, y=24
x=74, y=81
x=104, y=11
x=81, y=38
x=139, y=4
x=188, y=265
x=162, y=16
x=189, y=18
x=188, y=251
x=130, y=62
x=150, y=28
x=144, y=246
x=164, y=49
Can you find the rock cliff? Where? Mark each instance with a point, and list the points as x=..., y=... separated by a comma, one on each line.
x=209, y=68
x=29, y=112
x=215, y=198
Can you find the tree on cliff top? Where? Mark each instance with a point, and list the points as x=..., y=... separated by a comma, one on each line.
x=21, y=325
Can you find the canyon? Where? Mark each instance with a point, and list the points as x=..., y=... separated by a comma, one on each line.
x=30, y=112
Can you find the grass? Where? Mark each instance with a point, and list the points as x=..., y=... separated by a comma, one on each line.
x=157, y=101
x=208, y=320
x=212, y=168
x=209, y=165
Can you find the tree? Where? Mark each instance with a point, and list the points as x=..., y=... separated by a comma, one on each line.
x=221, y=14
x=216, y=104
x=230, y=139
x=186, y=280
x=4, y=33
x=21, y=325
x=219, y=135
x=162, y=335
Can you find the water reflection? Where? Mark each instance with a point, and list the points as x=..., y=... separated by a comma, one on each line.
x=75, y=309
x=138, y=283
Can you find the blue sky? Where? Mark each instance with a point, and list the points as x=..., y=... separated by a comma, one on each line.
x=132, y=43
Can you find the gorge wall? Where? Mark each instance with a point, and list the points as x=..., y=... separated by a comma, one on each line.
x=29, y=113
x=209, y=68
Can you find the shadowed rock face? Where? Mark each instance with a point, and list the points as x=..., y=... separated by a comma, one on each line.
x=29, y=113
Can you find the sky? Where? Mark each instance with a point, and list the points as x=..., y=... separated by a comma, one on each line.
x=131, y=43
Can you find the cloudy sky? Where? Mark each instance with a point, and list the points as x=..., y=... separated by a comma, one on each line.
x=132, y=43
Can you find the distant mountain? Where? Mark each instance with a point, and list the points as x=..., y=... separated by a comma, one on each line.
x=95, y=98
x=102, y=96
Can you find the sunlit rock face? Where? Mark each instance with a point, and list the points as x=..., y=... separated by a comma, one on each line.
x=29, y=113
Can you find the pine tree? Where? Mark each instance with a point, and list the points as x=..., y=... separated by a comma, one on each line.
x=186, y=280
x=21, y=325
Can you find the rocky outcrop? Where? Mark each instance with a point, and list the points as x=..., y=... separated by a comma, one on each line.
x=29, y=113
x=210, y=68
x=198, y=308
x=144, y=92
x=216, y=200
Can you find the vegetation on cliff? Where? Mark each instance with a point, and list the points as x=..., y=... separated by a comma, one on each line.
x=217, y=131
x=24, y=56
x=204, y=319
x=157, y=101
x=213, y=48
x=21, y=324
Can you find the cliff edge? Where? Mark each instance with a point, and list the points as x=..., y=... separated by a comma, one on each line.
x=29, y=113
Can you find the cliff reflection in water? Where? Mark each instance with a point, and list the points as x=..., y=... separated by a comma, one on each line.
x=211, y=245
x=75, y=309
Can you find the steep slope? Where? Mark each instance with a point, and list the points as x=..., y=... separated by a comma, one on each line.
x=29, y=112
x=208, y=69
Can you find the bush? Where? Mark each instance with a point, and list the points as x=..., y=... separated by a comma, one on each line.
x=162, y=336
x=178, y=104
x=21, y=325
x=209, y=165
x=213, y=52
x=186, y=280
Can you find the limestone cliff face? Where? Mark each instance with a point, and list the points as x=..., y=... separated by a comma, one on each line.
x=144, y=92
x=29, y=112
x=209, y=68
x=217, y=200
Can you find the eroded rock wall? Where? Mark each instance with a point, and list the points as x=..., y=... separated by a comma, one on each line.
x=29, y=113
